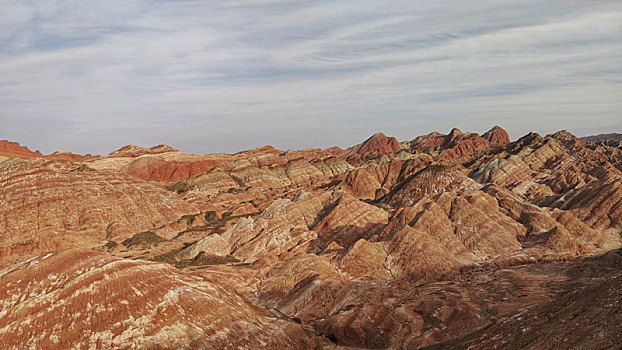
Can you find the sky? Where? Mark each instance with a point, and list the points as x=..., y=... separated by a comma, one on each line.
x=223, y=76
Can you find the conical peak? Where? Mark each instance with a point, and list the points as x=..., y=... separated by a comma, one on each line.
x=497, y=136
x=455, y=132
x=377, y=136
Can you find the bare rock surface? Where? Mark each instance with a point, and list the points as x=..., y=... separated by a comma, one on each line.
x=43, y=208
x=456, y=240
x=85, y=299
x=377, y=144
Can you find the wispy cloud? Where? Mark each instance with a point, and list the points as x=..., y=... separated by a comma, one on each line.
x=221, y=76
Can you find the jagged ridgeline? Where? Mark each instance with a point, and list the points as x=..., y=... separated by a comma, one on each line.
x=443, y=241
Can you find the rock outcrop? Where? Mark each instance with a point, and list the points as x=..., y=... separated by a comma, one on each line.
x=374, y=146
x=497, y=136
x=10, y=149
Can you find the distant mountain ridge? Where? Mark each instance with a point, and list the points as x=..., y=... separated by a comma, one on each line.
x=602, y=137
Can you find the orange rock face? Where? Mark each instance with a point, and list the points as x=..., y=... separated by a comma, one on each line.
x=443, y=241
x=15, y=150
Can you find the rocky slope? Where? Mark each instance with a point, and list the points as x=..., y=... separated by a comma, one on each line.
x=378, y=144
x=84, y=299
x=50, y=206
x=382, y=245
x=591, y=316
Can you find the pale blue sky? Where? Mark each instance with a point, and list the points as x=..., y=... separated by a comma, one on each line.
x=211, y=76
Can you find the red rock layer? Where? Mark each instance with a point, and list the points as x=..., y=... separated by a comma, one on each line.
x=291, y=174
x=355, y=250
x=497, y=136
x=84, y=299
x=170, y=167
x=376, y=180
x=377, y=144
x=15, y=150
x=458, y=144
x=42, y=207
x=70, y=156
x=166, y=165
x=464, y=145
x=428, y=142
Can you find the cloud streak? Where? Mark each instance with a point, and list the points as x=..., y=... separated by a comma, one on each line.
x=212, y=76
